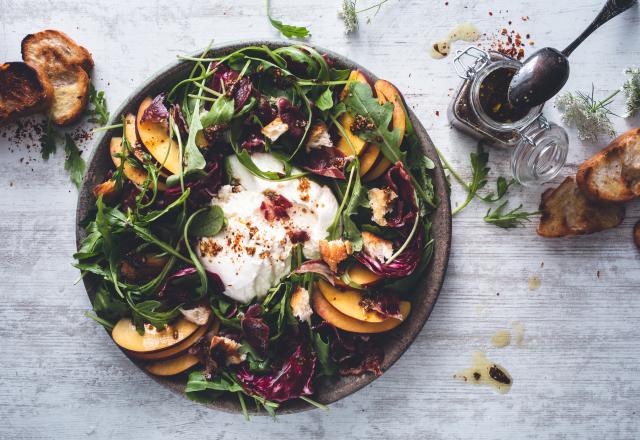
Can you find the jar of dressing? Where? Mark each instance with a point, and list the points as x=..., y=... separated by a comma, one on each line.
x=481, y=108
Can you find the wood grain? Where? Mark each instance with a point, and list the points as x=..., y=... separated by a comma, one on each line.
x=575, y=376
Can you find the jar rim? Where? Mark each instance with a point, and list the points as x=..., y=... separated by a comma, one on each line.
x=477, y=80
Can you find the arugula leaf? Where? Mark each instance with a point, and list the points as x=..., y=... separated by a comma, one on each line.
x=202, y=390
x=48, y=139
x=327, y=365
x=502, y=186
x=221, y=111
x=193, y=158
x=357, y=198
x=511, y=219
x=287, y=30
x=256, y=363
x=74, y=163
x=245, y=159
x=208, y=223
x=479, y=172
x=98, y=113
x=108, y=307
x=325, y=101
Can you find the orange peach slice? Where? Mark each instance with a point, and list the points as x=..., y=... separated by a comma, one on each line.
x=378, y=170
x=330, y=314
x=126, y=336
x=362, y=276
x=171, y=367
x=368, y=158
x=346, y=143
x=173, y=350
x=155, y=137
x=134, y=174
x=347, y=302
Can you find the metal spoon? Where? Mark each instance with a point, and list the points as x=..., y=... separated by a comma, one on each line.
x=545, y=72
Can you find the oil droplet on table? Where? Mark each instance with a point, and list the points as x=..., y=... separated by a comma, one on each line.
x=518, y=332
x=485, y=372
x=462, y=32
x=501, y=338
x=534, y=283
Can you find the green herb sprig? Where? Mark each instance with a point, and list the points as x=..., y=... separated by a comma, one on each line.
x=98, y=112
x=591, y=116
x=287, y=30
x=510, y=219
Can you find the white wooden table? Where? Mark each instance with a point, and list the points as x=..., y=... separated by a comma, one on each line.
x=575, y=373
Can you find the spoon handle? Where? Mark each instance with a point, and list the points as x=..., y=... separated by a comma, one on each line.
x=609, y=10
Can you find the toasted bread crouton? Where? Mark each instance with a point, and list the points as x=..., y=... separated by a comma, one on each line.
x=380, y=201
x=636, y=234
x=377, y=247
x=613, y=175
x=23, y=91
x=301, y=305
x=67, y=65
x=335, y=251
x=198, y=315
x=566, y=211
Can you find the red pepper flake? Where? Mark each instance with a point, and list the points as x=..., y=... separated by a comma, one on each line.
x=437, y=113
x=490, y=14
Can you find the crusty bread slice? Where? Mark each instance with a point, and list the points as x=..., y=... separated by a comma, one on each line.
x=613, y=175
x=566, y=211
x=67, y=65
x=23, y=91
x=636, y=234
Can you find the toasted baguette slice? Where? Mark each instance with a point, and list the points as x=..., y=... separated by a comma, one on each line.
x=67, y=65
x=23, y=91
x=55, y=46
x=613, y=175
x=566, y=211
x=636, y=234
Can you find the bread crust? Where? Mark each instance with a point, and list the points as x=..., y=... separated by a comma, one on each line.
x=567, y=211
x=613, y=175
x=23, y=91
x=67, y=66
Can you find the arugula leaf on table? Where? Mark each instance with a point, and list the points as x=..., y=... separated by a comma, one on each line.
x=502, y=187
x=208, y=223
x=48, y=139
x=287, y=30
x=74, y=163
x=511, y=219
x=98, y=113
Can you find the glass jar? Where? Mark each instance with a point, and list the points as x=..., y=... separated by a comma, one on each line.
x=539, y=147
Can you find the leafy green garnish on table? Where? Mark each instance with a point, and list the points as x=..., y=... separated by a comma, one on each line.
x=631, y=89
x=287, y=30
x=98, y=112
x=48, y=139
x=510, y=219
x=73, y=163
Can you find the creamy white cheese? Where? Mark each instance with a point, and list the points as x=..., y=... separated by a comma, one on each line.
x=252, y=253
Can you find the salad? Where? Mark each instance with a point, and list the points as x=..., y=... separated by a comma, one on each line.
x=263, y=225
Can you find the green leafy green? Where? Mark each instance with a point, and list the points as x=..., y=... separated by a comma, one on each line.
x=208, y=223
x=221, y=111
x=48, y=139
x=510, y=219
x=98, y=112
x=287, y=30
x=107, y=306
x=325, y=101
x=74, y=163
x=327, y=365
x=193, y=158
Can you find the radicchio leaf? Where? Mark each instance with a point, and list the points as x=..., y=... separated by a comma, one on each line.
x=292, y=116
x=253, y=142
x=318, y=267
x=156, y=112
x=202, y=190
x=326, y=161
x=294, y=379
x=275, y=206
x=386, y=304
x=224, y=78
x=176, y=114
x=404, y=207
x=177, y=287
x=404, y=264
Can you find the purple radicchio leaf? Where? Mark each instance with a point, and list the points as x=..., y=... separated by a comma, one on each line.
x=177, y=287
x=404, y=207
x=292, y=116
x=156, y=112
x=202, y=189
x=176, y=114
x=326, y=161
x=318, y=267
x=224, y=78
x=255, y=330
x=294, y=379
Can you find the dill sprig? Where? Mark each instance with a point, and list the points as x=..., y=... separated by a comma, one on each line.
x=631, y=89
x=349, y=14
x=510, y=219
x=590, y=116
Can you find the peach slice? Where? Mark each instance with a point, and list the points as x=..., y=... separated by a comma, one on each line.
x=171, y=367
x=155, y=137
x=388, y=93
x=368, y=158
x=173, y=350
x=378, y=170
x=126, y=336
x=354, y=75
x=330, y=314
x=345, y=142
x=135, y=175
x=347, y=302
x=363, y=276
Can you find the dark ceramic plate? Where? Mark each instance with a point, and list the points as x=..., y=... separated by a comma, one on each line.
x=423, y=299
